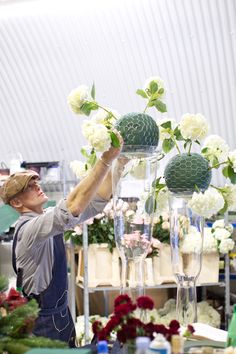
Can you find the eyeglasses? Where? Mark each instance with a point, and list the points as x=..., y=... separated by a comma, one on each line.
x=33, y=185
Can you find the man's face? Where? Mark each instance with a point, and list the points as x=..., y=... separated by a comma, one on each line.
x=32, y=197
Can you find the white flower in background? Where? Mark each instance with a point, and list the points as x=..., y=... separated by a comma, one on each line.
x=215, y=147
x=159, y=82
x=193, y=126
x=209, y=242
x=192, y=242
x=78, y=230
x=97, y=135
x=162, y=203
x=232, y=157
x=77, y=97
x=221, y=234
x=208, y=203
x=165, y=133
x=229, y=193
x=165, y=225
x=79, y=168
x=226, y=245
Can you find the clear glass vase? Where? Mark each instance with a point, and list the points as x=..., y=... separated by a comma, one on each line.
x=186, y=240
x=133, y=179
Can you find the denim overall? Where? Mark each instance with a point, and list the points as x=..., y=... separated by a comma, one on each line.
x=54, y=320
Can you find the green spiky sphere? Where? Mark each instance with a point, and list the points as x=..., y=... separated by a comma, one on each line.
x=186, y=173
x=138, y=129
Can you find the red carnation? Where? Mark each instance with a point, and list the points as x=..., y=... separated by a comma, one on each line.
x=13, y=294
x=96, y=327
x=145, y=303
x=174, y=324
x=124, y=309
x=112, y=323
x=102, y=335
x=122, y=299
x=191, y=329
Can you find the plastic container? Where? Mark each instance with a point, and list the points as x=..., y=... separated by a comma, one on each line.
x=177, y=344
x=159, y=345
x=102, y=347
x=231, y=339
x=142, y=345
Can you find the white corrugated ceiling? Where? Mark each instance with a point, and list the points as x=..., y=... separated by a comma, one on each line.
x=47, y=48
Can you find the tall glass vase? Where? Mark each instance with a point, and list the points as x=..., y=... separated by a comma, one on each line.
x=186, y=239
x=134, y=174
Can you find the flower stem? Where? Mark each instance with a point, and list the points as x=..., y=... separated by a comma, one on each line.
x=189, y=150
x=218, y=164
x=106, y=110
x=177, y=147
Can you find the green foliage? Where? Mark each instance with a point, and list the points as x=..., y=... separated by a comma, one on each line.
x=3, y=283
x=100, y=231
x=163, y=235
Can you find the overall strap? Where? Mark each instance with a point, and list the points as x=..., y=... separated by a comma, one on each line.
x=14, y=246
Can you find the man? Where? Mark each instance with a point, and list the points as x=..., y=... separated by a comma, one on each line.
x=38, y=240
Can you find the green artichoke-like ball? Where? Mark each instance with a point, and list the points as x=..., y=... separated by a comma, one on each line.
x=186, y=173
x=138, y=129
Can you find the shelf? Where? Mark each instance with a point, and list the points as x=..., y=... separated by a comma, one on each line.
x=161, y=286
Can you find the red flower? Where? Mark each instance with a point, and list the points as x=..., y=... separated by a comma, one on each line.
x=121, y=336
x=191, y=329
x=174, y=324
x=13, y=294
x=102, y=335
x=145, y=303
x=122, y=299
x=112, y=323
x=124, y=309
x=96, y=327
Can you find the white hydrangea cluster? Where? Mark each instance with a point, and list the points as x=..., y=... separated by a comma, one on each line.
x=208, y=203
x=97, y=135
x=229, y=193
x=193, y=126
x=80, y=168
x=209, y=242
x=192, y=241
x=77, y=97
x=215, y=146
x=79, y=328
x=222, y=233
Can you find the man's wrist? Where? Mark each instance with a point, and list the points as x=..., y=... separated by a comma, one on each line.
x=105, y=163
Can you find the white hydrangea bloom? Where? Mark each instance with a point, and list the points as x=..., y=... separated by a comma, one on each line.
x=232, y=157
x=226, y=245
x=159, y=82
x=208, y=203
x=79, y=169
x=192, y=242
x=221, y=234
x=101, y=116
x=216, y=147
x=162, y=203
x=164, y=132
x=193, y=126
x=229, y=192
x=77, y=97
x=97, y=135
x=209, y=242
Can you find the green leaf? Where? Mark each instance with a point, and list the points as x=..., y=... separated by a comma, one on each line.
x=87, y=107
x=215, y=162
x=225, y=171
x=114, y=140
x=224, y=209
x=93, y=91
x=84, y=152
x=231, y=175
x=150, y=205
x=153, y=87
x=204, y=150
x=92, y=159
x=177, y=134
x=166, y=125
x=160, y=106
x=161, y=91
x=142, y=93
x=167, y=145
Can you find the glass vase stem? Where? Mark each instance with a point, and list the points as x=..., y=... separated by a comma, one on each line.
x=186, y=306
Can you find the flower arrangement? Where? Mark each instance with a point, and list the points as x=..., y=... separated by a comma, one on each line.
x=99, y=130
x=192, y=130
x=129, y=321
x=17, y=318
x=101, y=227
